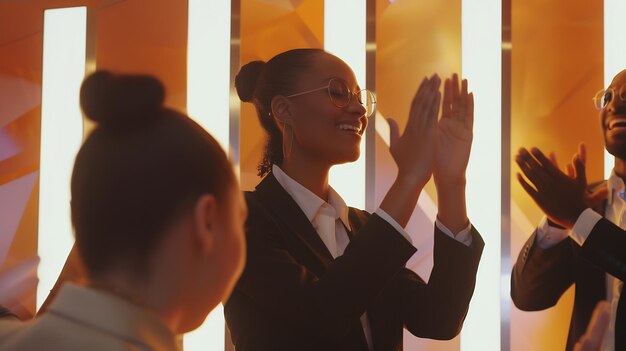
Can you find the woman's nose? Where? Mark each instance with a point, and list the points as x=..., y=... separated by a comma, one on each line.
x=356, y=106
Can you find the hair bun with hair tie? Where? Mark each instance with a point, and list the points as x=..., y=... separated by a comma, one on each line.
x=247, y=78
x=120, y=100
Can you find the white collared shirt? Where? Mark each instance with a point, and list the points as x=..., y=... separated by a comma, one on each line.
x=615, y=211
x=83, y=318
x=316, y=210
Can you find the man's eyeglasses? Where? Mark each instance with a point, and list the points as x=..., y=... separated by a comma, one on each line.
x=604, y=96
x=340, y=95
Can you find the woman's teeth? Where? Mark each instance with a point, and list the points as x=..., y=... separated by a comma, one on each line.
x=350, y=128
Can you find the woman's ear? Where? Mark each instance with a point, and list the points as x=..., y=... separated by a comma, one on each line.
x=281, y=109
x=205, y=221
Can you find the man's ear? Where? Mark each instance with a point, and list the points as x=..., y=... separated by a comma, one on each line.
x=205, y=222
x=281, y=109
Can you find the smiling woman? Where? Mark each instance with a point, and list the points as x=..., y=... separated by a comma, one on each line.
x=321, y=275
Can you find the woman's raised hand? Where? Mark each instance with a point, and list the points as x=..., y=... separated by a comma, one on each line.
x=454, y=137
x=413, y=151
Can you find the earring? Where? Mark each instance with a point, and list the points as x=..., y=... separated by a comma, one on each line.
x=287, y=139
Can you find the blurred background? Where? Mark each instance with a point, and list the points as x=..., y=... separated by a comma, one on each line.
x=533, y=67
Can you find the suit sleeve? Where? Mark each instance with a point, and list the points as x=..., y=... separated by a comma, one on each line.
x=606, y=247
x=541, y=276
x=437, y=310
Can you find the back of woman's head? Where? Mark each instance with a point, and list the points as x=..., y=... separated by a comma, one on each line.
x=140, y=170
x=258, y=82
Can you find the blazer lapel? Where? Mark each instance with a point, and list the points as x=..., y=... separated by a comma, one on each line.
x=283, y=207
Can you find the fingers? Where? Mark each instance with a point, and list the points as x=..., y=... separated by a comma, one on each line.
x=464, y=87
x=434, y=109
x=531, y=169
x=394, y=132
x=527, y=187
x=446, y=107
x=455, y=87
x=451, y=101
x=458, y=103
x=582, y=151
x=580, y=170
x=469, y=118
x=552, y=157
x=425, y=104
x=570, y=171
x=583, y=344
x=543, y=160
x=432, y=106
x=417, y=105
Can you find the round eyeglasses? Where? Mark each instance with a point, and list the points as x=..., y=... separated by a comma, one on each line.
x=340, y=95
x=604, y=96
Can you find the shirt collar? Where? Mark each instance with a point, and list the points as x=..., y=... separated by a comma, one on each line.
x=308, y=201
x=615, y=185
x=113, y=315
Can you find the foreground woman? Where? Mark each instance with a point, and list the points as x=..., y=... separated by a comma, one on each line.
x=158, y=217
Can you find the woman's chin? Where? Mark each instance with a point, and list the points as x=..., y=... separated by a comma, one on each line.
x=347, y=158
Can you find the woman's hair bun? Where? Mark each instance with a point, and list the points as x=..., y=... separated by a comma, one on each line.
x=247, y=78
x=117, y=100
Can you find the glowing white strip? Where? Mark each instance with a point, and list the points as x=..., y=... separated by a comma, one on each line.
x=64, y=41
x=208, y=79
x=208, y=66
x=614, y=54
x=481, y=24
x=344, y=37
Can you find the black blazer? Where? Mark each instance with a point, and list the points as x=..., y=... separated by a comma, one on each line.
x=294, y=296
x=541, y=276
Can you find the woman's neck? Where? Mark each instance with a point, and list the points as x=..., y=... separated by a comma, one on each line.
x=620, y=168
x=309, y=174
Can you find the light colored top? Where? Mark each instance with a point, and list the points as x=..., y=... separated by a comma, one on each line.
x=89, y=319
x=615, y=211
x=330, y=220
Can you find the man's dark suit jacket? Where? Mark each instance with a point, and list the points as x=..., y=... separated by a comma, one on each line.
x=541, y=276
x=294, y=296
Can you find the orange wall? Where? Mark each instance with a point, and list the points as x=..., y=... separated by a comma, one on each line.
x=267, y=29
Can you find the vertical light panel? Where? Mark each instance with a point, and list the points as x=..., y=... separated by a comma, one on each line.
x=208, y=78
x=344, y=37
x=614, y=54
x=481, y=64
x=208, y=66
x=64, y=46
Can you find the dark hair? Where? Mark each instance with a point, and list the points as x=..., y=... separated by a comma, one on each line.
x=258, y=82
x=137, y=172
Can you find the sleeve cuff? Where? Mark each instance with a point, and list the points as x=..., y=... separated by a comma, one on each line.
x=464, y=236
x=548, y=236
x=584, y=225
x=384, y=215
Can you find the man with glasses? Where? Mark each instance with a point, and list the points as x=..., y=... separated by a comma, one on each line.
x=583, y=239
